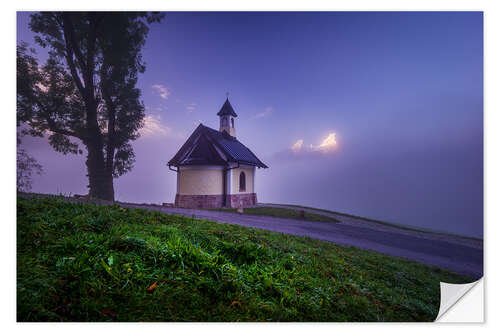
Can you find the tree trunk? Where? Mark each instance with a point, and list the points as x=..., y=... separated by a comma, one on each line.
x=100, y=180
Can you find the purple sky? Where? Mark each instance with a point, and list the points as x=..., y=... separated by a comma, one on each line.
x=403, y=93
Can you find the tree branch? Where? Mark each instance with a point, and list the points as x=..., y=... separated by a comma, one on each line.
x=87, y=70
x=52, y=124
x=71, y=63
x=70, y=37
x=110, y=147
x=53, y=127
x=91, y=43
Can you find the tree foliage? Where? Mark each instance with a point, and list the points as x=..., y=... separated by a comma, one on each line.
x=26, y=167
x=48, y=102
x=86, y=94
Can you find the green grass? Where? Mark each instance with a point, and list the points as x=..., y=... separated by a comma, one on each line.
x=282, y=212
x=82, y=262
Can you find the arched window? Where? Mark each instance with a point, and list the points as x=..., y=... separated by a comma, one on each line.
x=242, y=182
x=232, y=122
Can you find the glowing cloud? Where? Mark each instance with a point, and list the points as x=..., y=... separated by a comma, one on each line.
x=327, y=146
x=154, y=127
x=328, y=143
x=161, y=90
x=297, y=146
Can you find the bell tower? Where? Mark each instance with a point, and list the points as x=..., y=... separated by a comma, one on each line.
x=227, y=115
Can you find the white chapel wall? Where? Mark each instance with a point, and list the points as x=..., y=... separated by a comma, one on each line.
x=200, y=181
x=235, y=180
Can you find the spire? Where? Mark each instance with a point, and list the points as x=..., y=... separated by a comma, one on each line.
x=227, y=109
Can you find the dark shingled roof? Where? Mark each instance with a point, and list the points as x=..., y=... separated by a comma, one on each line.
x=201, y=149
x=227, y=109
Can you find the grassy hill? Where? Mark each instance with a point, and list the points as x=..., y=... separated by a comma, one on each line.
x=282, y=213
x=82, y=262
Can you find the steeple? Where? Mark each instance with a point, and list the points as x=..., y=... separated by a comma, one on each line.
x=227, y=116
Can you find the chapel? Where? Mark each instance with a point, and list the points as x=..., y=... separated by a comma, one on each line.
x=214, y=169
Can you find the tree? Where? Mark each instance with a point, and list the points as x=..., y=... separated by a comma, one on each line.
x=26, y=166
x=86, y=92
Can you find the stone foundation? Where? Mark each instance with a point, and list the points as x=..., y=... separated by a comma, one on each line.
x=245, y=200
x=199, y=201
x=215, y=201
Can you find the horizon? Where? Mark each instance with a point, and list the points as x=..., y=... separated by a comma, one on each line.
x=374, y=114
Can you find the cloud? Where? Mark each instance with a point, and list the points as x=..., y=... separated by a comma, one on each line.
x=154, y=109
x=299, y=150
x=297, y=146
x=328, y=144
x=267, y=112
x=153, y=127
x=161, y=90
x=191, y=107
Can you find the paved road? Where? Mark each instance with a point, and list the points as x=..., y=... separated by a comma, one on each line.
x=450, y=252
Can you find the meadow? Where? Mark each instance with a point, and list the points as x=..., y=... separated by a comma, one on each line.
x=285, y=213
x=84, y=262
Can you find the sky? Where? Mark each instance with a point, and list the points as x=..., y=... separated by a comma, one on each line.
x=369, y=113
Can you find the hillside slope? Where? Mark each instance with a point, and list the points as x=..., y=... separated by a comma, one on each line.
x=82, y=262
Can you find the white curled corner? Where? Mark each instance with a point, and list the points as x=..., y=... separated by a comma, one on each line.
x=451, y=295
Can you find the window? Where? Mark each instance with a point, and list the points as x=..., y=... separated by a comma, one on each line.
x=232, y=122
x=242, y=182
